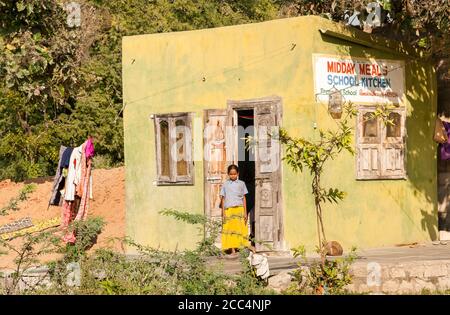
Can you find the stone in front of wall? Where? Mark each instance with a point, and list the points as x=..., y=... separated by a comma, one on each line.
x=334, y=249
x=280, y=281
x=28, y=281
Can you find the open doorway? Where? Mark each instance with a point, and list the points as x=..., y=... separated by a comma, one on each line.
x=259, y=168
x=246, y=163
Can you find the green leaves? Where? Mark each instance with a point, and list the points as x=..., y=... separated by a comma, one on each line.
x=20, y=6
x=184, y=216
x=332, y=195
x=211, y=227
x=299, y=251
x=328, y=276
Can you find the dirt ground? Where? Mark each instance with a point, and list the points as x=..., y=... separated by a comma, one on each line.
x=108, y=203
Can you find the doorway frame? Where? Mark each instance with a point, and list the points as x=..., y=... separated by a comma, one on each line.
x=233, y=106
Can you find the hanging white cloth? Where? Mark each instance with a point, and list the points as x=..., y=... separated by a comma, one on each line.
x=73, y=174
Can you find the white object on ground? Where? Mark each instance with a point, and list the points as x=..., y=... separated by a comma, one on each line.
x=260, y=263
x=74, y=274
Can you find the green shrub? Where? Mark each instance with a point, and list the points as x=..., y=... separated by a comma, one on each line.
x=153, y=271
x=328, y=276
x=86, y=236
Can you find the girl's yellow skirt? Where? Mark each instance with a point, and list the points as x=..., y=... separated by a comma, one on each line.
x=234, y=230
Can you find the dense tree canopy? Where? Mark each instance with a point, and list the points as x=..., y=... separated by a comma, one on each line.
x=58, y=84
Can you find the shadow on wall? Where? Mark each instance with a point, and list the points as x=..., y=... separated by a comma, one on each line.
x=420, y=142
x=428, y=224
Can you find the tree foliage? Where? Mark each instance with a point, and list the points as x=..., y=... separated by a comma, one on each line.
x=58, y=84
x=40, y=83
x=423, y=24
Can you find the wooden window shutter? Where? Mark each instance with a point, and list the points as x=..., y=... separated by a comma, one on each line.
x=394, y=146
x=182, y=148
x=381, y=148
x=174, y=148
x=368, y=139
x=162, y=132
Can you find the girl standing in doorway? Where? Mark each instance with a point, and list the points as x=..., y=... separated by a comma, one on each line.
x=234, y=212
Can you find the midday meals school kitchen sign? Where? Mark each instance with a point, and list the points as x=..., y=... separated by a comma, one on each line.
x=359, y=80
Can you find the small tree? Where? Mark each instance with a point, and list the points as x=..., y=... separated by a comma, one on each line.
x=303, y=153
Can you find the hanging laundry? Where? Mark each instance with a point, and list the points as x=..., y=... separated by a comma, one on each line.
x=54, y=199
x=84, y=189
x=66, y=157
x=72, y=186
x=89, y=148
x=67, y=218
x=74, y=174
x=59, y=181
x=445, y=147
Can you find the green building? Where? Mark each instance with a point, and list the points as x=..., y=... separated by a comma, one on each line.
x=192, y=97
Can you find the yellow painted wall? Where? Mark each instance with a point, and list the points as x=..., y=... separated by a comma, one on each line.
x=197, y=70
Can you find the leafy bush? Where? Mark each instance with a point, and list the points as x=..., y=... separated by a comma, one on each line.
x=329, y=276
x=27, y=255
x=160, y=272
x=153, y=271
x=86, y=236
x=209, y=229
x=156, y=271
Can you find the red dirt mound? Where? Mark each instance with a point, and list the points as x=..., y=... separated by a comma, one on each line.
x=108, y=203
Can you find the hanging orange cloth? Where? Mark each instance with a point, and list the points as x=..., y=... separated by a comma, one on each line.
x=84, y=203
x=67, y=217
x=78, y=209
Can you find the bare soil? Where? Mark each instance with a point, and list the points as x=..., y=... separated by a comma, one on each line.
x=108, y=203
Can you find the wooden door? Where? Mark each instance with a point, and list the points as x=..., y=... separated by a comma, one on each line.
x=215, y=160
x=268, y=215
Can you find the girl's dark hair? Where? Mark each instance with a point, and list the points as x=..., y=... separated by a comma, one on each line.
x=233, y=167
